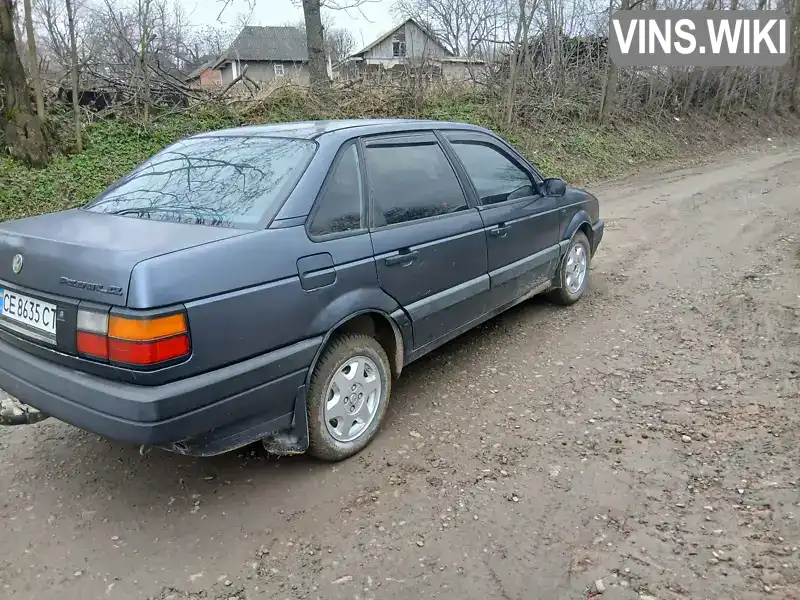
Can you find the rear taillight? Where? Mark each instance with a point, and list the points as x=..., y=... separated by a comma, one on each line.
x=132, y=340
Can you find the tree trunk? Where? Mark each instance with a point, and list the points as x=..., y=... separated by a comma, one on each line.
x=520, y=48
x=795, y=99
x=145, y=66
x=73, y=56
x=698, y=75
x=691, y=87
x=513, y=75
x=315, y=40
x=25, y=135
x=727, y=86
x=609, y=97
x=36, y=76
x=142, y=61
x=773, y=94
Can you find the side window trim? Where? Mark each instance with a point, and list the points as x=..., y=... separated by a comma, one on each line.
x=324, y=187
x=502, y=148
x=464, y=180
x=465, y=185
x=523, y=162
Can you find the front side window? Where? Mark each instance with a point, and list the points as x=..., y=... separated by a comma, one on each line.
x=410, y=178
x=494, y=174
x=227, y=181
x=279, y=72
x=339, y=206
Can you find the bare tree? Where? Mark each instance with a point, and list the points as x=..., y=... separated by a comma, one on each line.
x=527, y=9
x=339, y=42
x=25, y=134
x=73, y=51
x=315, y=34
x=145, y=38
x=794, y=101
x=208, y=41
x=612, y=74
x=315, y=40
x=33, y=56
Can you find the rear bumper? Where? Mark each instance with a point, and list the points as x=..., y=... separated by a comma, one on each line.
x=598, y=228
x=248, y=396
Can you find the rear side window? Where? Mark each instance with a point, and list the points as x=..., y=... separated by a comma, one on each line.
x=495, y=175
x=339, y=206
x=227, y=181
x=410, y=178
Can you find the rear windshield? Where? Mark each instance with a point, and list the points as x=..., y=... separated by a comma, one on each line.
x=231, y=181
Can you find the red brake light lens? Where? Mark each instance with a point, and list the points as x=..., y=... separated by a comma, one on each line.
x=148, y=353
x=130, y=340
x=92, y=344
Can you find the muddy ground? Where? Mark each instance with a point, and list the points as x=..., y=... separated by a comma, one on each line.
x=647, y=437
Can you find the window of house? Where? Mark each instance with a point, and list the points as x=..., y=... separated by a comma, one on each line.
x=399, y=45
x=279, y=72
x=495, y=175
x=410, y=178
x=339, y=208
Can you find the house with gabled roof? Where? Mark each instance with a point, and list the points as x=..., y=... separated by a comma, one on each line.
x=269, y=53
x=406, y=47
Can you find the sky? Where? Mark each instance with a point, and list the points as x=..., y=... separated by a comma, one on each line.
x=376, y=17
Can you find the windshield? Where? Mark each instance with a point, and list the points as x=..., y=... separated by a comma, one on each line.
x=228, y=181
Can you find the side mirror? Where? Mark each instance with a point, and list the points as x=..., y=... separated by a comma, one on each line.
x=554, y=186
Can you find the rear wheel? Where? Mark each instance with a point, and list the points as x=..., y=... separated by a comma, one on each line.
x=347, y=397
x=573, y=272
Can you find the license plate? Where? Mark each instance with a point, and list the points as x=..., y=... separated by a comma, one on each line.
x=38, y=315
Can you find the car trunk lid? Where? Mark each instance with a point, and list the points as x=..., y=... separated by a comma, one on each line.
x=88, y=255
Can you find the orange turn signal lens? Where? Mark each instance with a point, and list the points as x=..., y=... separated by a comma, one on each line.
x=145, y=330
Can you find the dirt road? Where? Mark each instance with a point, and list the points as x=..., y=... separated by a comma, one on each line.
x=648, y=437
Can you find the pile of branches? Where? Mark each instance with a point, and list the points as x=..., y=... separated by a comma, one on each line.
x=128, y=88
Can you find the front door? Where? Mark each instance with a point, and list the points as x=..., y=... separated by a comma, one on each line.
x=429, y=243
x=521, y=224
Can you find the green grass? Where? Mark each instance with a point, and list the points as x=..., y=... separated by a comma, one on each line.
x=578, y=152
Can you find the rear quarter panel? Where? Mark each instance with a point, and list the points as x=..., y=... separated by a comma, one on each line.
x=246, y=295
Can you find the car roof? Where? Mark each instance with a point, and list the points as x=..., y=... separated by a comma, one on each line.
x=315, y=129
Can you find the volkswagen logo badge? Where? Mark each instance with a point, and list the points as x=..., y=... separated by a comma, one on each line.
x=17, y=263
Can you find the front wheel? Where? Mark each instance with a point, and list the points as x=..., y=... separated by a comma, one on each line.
x=347, y=396
x=573, y=272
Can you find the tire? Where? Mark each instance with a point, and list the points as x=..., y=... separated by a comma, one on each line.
x=563, y=294
x=346, y=356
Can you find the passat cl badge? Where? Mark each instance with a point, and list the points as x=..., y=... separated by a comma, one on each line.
x=16, y=263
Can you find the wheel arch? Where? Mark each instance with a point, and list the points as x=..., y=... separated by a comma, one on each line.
x=580, y=222
x=374, y=323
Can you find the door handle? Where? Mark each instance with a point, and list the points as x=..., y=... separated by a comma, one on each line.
x=500, y=231
x=403, y=259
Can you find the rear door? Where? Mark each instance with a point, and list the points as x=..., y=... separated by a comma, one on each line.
x=340, y=260
x=521, y=225
x=430, y=248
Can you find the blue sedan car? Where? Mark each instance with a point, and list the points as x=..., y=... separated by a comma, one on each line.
x=269, y=283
